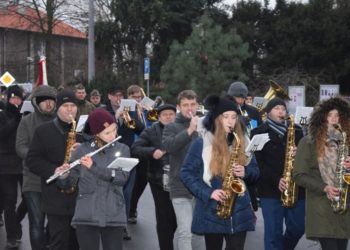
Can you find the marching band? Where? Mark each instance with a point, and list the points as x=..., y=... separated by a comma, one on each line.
x=194, y=157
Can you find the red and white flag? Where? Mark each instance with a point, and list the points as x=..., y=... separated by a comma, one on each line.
x=42, y=77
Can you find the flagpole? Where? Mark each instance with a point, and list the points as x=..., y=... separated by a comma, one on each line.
x=91, y=42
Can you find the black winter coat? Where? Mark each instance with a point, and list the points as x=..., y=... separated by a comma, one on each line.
x=46, y=153
x=10, y=163
x=144, y=147
x=271, y=162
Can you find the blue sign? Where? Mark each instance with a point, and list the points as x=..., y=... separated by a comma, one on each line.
x=146, y=68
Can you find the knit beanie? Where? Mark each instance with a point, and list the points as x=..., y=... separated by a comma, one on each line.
x=216, y=105
x=99, y=119
x=15, y=90
x=64, y=96
x=237, y=89
x=273, y=103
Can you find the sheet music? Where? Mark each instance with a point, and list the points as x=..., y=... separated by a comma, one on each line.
x=259, y=102
x=124, y=163
x=257, y=143
x=81, y=123
x=147, y=102
x=302, y=115
x=131, y=103
x=27, y=107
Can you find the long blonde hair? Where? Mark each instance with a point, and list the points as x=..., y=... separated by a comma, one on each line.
x=220, y=155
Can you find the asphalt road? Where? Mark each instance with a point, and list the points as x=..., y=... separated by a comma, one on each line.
x=144, y=235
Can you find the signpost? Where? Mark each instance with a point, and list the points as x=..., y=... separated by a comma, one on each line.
x=146, y=71
x=7, y=79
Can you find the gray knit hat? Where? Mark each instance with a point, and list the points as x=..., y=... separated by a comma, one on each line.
x=237, y=89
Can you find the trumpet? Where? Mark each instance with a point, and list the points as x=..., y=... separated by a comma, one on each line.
x=77, y=162
x=152, y=113
x=130, y=123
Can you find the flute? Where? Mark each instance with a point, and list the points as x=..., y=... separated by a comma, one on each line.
x=77, y=162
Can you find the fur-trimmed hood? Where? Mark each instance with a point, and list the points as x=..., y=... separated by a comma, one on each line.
x=318, y=120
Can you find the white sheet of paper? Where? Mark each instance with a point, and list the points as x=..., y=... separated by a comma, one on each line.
x=147, y=102
x=257, y=142
x=126, y=164
x=302, y=115
x=81, y=123
x=259, y=102
x=27, y=107
x=131, y=103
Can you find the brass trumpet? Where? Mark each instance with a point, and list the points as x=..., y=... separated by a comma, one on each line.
x=152, y=113
x=130, y=123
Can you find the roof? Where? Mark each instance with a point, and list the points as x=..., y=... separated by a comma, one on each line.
x=25, y=18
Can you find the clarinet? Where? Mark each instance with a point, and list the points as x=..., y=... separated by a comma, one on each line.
x=77, y=162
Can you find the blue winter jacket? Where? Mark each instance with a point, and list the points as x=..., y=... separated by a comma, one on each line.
x=205, y=219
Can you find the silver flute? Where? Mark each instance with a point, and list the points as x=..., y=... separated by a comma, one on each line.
x=77, y=162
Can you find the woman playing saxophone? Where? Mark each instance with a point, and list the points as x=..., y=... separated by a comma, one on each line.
x=214, y=164
x=320, y=166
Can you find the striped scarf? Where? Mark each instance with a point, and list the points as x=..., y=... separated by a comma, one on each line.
x=279, y=128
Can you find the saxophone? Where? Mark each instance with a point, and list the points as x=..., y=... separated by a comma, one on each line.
x=338, y=204
x=232, y=185
x=71, y=139
x=290, y=195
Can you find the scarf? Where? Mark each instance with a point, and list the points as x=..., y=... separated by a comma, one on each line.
x=279, y=128
x=328, y=163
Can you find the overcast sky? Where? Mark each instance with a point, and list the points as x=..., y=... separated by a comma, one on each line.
x=272, y=2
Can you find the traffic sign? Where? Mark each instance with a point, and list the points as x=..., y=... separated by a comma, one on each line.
x=7, y=79
x=146, y=68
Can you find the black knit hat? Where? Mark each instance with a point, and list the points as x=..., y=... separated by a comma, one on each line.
x=216, y=105
x=15, y=90
x=273, y=103
x=64, y=96
x=166, y=107
x=99, y=119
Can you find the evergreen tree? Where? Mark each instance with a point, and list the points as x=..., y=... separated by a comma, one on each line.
x=207, y=62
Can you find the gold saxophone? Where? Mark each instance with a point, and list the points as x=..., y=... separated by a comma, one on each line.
x=232, y=185
x=338, y=204
x=290, y=195
x=71, y=140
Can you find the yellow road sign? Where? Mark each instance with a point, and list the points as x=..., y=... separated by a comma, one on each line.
x=7, y=79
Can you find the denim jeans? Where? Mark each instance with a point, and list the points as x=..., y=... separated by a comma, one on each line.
x=127, y=190
x=274, y=214
x=183, y=208
x=36, y=220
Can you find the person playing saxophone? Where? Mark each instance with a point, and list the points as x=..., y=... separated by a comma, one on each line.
x=321, y=164
x=271, y=160
x=211, y=168
x=48, y=151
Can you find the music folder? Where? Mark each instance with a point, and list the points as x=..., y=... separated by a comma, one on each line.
x=124, y=163
x=257, y=142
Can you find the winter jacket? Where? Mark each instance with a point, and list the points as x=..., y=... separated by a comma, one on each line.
x=47, y=152
x=84, y=108
x=144, y=147
x=176, y=142
x=10, y=163
x=320, y=220
x=205, y=220
x=100, y=200
x=25, y=132
x=271, y=162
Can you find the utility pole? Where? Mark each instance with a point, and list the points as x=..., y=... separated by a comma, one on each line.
x=91, y=42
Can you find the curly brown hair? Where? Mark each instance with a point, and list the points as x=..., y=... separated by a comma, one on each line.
x=318, y=121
